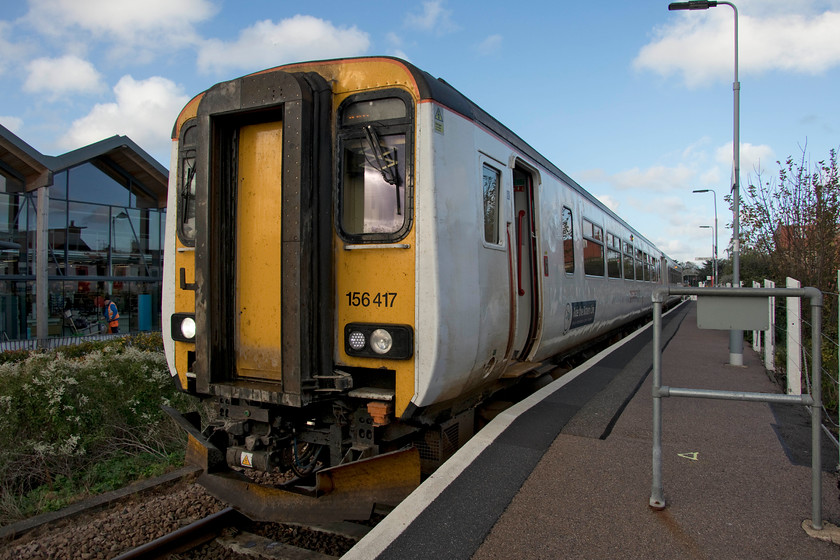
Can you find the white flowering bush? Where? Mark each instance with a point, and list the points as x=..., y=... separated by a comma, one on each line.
x=73, y=423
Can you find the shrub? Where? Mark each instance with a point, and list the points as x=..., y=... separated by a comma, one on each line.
x=72, y=421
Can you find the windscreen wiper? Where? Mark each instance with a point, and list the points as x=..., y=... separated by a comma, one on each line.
x=386, y=161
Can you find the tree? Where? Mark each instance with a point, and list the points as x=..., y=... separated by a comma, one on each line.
x=791, y=224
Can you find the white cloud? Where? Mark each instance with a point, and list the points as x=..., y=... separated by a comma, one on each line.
x=12, y=123
x=266, y=44
x=57, y=76
x=658, y=178
x=609, y=201
x=395, y=47
x=434, y=17
x=773, y=36
x=490, y=45
x=710, y=177
x=11, y=53
x=751, y=157
x=144, y=110
x=151, y=24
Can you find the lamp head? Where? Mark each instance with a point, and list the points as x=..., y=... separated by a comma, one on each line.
x=694, y=5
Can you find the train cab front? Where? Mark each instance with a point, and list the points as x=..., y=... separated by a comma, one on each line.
x=290, y=295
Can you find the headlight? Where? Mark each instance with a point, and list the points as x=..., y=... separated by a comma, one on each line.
x=183, y=327
x=356, y=340
x=381, y=341
x=395, y=342
x=188, y=327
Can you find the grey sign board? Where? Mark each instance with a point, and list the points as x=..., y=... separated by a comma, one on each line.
x=733, y=313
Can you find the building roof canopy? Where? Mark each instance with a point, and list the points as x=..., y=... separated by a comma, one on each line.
x=118, y=156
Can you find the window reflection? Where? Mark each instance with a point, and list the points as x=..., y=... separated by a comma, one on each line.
x=93, y=249
x=371, y=204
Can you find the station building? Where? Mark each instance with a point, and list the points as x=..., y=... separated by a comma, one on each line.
x=75, y=228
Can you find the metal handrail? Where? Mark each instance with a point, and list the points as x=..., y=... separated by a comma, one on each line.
x=814, y=400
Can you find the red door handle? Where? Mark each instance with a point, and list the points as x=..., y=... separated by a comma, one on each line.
x=519, y=250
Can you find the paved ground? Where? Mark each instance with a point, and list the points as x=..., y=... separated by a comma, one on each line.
x=731, y=488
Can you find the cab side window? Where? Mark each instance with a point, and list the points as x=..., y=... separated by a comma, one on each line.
x=186, y=184
x=491, y=184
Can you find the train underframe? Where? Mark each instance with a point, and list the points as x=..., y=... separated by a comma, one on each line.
x=348, y=452
x=347, y=455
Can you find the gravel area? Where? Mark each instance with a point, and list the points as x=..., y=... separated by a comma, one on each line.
x=106, y=534
x=138, y=520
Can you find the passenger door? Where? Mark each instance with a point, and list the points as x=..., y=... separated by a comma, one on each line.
x=526, y=292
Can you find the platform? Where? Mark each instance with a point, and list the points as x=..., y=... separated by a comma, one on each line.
x=567, y=473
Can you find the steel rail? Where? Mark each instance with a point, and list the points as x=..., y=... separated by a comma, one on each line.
x=187, y=537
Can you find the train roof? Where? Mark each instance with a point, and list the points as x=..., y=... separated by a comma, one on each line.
x=441, y=91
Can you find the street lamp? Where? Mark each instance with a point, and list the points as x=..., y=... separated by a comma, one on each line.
x=736, y=337
x=715, y=248
x=714, y=252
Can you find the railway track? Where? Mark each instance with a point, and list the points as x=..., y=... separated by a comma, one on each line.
x=161, y=520
x=228, y=530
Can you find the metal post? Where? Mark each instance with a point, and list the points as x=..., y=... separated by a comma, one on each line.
x=716, y=279
x=657, y=497
x=770, y=334
x=42, y=289
x=756, y=334
x=736, y=338
x=794, y=341
x=816, y=410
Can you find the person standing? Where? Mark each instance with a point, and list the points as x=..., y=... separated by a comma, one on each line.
x=112, y=316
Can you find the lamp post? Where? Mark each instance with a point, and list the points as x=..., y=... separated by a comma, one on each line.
x=714, y=260
x=736, y=337
x=715, y=248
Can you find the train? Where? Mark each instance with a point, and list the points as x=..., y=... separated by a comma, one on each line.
x=356, y=257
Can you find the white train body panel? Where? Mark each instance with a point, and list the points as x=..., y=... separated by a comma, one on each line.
x=465, y=315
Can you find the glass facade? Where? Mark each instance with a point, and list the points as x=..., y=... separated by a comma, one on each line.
x=104, y=238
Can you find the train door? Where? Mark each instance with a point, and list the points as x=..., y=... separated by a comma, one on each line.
x=258, y=293
x=263, y=249
x=525, y=265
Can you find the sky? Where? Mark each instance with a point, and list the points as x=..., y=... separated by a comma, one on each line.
x=633, y=101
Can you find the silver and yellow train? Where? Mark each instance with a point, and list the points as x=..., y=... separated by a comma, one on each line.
x=357, y=255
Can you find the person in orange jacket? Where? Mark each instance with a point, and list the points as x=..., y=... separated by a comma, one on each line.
x=112, y=316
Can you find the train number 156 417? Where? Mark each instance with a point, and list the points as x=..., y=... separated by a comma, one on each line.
x=366, y=299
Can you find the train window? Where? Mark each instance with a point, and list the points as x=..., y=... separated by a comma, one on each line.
x=373, y=111
x=646, y=263
x=490, y=189
x=375, y=169
x=568, y=241
x=640, y=275
x=186, y=185
x=613, y=256
x=593, y=249
x=628, y=261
